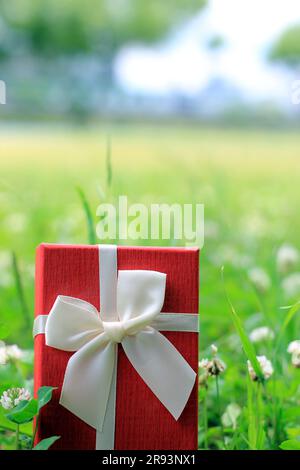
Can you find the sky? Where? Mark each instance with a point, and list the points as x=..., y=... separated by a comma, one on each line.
x=182, y=63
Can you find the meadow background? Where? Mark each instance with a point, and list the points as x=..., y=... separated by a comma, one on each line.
x=244, y=166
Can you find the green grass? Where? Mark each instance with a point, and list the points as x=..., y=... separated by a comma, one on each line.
x=249, y=183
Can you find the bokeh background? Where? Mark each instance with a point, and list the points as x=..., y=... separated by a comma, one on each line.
x=178, y=101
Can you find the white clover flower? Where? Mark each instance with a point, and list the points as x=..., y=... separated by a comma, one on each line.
x=259, y=279
x=13, y=396
x=5, y=269
x=212, y=367
x=15, y=222
x=291, y=285
x=242, y=261
x=10, y=352
x=5, y=260
x=203, y=374
x=296, y=360
x=29, y=269
x=287, y=258
x=294, y=347
x=266, y=367
x=211, y=229
x=294, y=350
x=202, y=380
x=263, y=333
x=203, y=364
x=216, y=367
x=14, y=352
x=255, y=225
x=227, y=254
x=3, y=354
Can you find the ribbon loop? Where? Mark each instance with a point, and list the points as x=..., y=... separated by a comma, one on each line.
x=72, y=323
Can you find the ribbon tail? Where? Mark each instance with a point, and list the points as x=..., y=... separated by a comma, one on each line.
x=162, y=368
x=87, y=381
x=105, y=439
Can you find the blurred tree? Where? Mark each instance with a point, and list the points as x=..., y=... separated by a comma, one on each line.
x=67, y=27
x=287, y=48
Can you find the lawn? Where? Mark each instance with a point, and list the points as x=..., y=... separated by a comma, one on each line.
x=249, y=183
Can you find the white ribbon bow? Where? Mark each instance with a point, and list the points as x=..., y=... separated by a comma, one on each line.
x=75, y=325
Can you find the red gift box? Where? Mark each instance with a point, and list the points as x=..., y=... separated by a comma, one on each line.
x=142, y=422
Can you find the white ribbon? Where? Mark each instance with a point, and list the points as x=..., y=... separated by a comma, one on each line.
x=131, y=315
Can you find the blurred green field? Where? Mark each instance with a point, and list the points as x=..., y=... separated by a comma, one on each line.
x=249, y=183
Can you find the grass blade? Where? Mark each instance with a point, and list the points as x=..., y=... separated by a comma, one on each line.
x=251, y=441
x=20, y=290
x=108, y=164
x=89, y=217
x=261, y=435
x=246, y=343
x=290, y=444
x=290, y=315
x=292, y=310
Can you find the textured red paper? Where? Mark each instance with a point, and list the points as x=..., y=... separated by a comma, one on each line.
x=142, y=422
